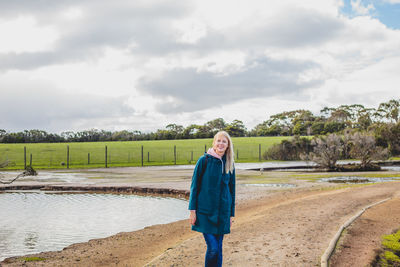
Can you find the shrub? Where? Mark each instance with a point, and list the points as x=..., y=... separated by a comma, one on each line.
x=326, y=151
x=363, y=147
x=291, y=149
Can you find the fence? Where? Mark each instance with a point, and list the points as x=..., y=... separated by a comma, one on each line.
x=113, y=154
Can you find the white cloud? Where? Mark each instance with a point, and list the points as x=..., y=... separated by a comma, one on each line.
x=361, y=9
x=29, y=103
x=23, y=34
x=392, y=1
x=159, y=62
x=73, y=13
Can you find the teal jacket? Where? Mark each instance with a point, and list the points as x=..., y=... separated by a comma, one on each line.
x=214, y=198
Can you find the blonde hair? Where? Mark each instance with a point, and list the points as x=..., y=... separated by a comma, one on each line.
x=230, y=157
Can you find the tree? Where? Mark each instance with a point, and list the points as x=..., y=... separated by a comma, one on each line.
x=350, y=115
x=174, y=131
x=326, y=151
x=389, y=110
x=339, y=114
x=302, y=122
x=363, y=147
x=334, y=126
x=190, y=131
x=263, y=129
x=365, y=118
x=2, y=134
x=296, y=122
x=122, y=136
x=216, y=125
x=317, y=127
x=236, y=128
x=291, y=149
x=388, y=135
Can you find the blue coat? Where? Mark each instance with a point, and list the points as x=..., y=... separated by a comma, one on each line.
x=214, y=201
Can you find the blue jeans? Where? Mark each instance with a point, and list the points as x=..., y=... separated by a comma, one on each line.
x=214, y=250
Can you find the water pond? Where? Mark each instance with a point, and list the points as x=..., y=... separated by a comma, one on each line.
x=357, y=179
x=272, y=185
x=32, y=222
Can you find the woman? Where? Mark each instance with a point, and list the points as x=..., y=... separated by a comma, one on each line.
x=212, y=196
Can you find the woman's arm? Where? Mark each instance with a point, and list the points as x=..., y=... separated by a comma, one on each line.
x=232, y=189
x=194, y=186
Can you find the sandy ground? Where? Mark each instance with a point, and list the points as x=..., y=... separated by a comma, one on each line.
x=273, y=227
x=362, y=241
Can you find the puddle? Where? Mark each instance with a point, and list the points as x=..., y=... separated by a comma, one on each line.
x=45, y=176
x=273, y=185
x=36, y=221
x=357, y=179
x=391, y=168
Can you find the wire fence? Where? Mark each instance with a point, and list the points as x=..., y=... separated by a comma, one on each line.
x=59, y=156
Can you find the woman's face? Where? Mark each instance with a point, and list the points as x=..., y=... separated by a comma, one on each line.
x=220, y=144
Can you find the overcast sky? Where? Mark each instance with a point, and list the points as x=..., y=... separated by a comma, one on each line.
x=140, y=65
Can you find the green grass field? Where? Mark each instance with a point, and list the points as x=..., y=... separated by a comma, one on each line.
x=54, y=155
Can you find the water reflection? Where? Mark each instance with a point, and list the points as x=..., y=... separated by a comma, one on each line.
x=31, y=240
x=37, y=221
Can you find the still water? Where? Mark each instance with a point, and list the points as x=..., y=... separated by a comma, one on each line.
x=37, y=221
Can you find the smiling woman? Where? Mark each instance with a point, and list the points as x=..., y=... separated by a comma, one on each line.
x=212, y=196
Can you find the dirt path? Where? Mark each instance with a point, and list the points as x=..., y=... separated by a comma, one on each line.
x=359, y=244
x=285, y=228
x=293, y=233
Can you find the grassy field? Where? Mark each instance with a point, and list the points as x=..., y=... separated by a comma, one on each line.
x=92, y=155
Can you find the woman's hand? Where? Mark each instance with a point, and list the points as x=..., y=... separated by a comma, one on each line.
x=192, y=217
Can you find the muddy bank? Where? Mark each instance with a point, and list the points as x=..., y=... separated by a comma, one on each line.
x=102, y=189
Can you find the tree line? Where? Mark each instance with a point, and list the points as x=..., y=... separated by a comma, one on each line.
x=384, y=120
x=172, y=131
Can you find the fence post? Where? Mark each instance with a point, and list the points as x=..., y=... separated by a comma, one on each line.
x=148, y=156
x=142, y=156
x=67, y=157
x=191, y=157
x=175, y=155
x=88, y=158
x=30, y=162
x=106, y=157
x=24, y=157
x=205, y=148
x=237, y=154
x=259, y=152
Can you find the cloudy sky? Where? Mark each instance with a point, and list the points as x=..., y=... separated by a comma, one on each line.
x=140, y=65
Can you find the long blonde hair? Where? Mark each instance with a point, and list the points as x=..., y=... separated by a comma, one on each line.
x=230, y=157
